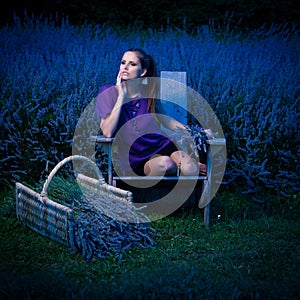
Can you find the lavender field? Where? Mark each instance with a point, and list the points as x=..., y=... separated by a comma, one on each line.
x=50, y=73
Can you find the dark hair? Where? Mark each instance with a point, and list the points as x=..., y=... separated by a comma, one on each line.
x=148, y=63
x=146, y=60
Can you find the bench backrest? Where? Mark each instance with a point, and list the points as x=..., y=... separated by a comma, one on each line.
x=173, y=87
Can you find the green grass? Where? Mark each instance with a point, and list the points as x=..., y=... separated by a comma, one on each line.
x=251, y=251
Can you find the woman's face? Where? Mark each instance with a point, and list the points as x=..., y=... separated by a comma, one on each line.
x=131, y=67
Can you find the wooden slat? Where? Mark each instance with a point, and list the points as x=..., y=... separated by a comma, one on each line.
x=217, y=141
x=158, y=178
x=102, y=139
x=173, y=89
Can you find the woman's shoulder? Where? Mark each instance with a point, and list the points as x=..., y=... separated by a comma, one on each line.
x=107, y=87
x=106, y=99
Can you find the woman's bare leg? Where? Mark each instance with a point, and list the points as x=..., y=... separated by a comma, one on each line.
x=160, y=166
x=165, y=165
x=188, y=166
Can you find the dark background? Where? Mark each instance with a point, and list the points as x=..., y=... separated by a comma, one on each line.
x=155, y=14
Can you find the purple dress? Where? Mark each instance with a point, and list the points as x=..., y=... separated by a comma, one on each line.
x=138, y=134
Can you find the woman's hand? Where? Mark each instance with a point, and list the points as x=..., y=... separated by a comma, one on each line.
x=210, y=135
x=109, y=124
x=121, y=86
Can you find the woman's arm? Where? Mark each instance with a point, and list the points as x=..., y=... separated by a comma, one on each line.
x=170, y=123
x=109, y=124
x=173, y=124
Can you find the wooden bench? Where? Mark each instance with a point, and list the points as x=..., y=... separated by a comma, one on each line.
x=203, y=189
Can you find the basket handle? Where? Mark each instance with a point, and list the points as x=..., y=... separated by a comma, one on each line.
x=64, y=161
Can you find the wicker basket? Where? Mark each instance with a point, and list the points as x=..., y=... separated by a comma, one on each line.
x=52, y=219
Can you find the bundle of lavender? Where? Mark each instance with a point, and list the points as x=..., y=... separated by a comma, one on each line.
x=192, y=139
x=104, y=225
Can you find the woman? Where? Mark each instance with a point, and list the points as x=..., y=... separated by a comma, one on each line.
x=130, y=116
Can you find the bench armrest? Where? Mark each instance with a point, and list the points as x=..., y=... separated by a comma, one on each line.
x=102, y=139
x=217, y=141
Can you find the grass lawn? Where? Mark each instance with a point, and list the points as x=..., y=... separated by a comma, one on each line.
x=250, y=251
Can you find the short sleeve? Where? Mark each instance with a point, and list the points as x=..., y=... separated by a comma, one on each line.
x=106, y=100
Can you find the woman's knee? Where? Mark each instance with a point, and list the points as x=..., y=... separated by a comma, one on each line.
x=160, y=166
x=167, y=165
x=189, y=168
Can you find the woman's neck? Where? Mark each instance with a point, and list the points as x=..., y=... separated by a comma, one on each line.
x=133, y=89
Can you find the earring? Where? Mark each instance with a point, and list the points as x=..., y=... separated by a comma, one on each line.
x=145, y=80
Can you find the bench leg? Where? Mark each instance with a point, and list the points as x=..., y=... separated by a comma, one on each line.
x=205, y=201
x=206, y=215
